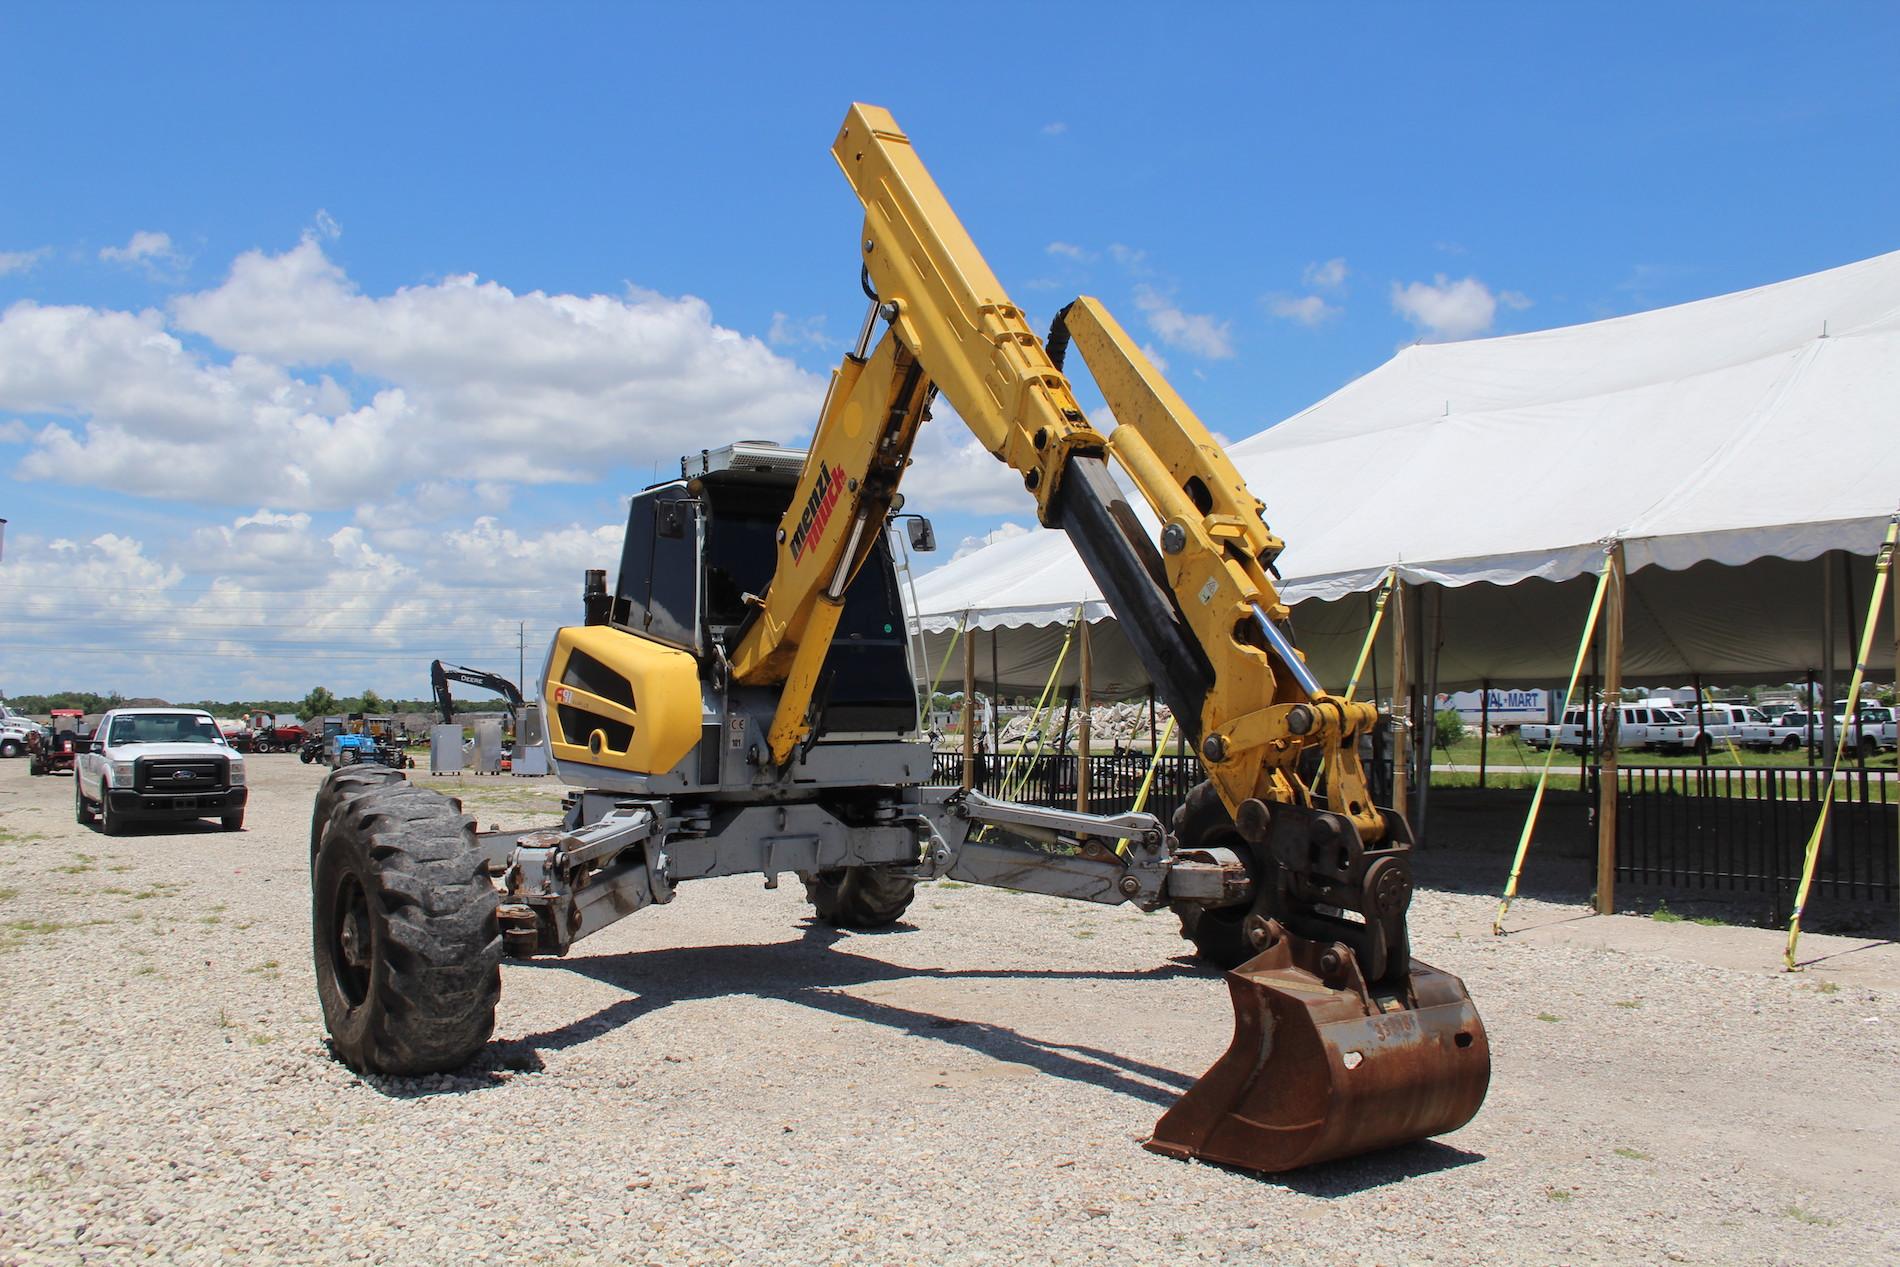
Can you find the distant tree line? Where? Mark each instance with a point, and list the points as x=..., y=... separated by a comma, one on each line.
x=320, y=702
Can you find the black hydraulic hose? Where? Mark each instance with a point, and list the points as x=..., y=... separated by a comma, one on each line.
x=1057, y=344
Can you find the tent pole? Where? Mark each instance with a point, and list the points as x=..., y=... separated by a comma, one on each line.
x=969, y=712
x=1084, y=734
x=996, y=701
x=1612, y=696
x=1701, y=726
x=1401, y=701
x=1154, y=730
x=1429, y=703
x=1853, y=640
x=1484, y=726
x=1826, y=705
x=1422, y=750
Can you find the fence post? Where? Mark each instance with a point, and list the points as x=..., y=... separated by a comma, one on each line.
x=1612, y=713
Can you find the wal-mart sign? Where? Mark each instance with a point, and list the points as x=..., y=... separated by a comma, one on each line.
x=1506, y=707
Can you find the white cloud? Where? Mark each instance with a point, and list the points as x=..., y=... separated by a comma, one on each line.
x=1307, y=310
x=1001, y=532
x=952, y=473
x=787, y=331
x=324, y=225
x=1153, y=353
x=21, y=261
x=270, y=604
x=1128, y=257
x=1192, y=332
x=460, y=380
x=1054, y=129
x=147, y=248
x=1068, y=250
x=1446, y=309
x=1330, y=275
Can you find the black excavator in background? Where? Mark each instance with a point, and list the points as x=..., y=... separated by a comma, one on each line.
x=440, y=675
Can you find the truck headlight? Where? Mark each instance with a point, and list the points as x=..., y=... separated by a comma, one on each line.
x=119, y=773
x=237, y=774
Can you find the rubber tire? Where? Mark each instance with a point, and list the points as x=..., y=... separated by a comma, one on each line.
x=232, y=822
x=1218, y=933
x=34, y=766
x=82, y=808
x=1790, y=744
x=110, y=824
x=305, y=757
x=9, y=747
x=1869, y=748
x=863, y=898
x=427, y=1001
x=341, y=787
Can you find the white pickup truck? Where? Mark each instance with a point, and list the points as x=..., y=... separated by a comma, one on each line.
x=1641, y=726
x=168, y=764
x=1873, y=731
x=14, y=729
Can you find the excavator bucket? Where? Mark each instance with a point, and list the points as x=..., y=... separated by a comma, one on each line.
x=1322, y=1068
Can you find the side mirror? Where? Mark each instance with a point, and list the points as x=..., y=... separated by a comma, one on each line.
x=923, y=538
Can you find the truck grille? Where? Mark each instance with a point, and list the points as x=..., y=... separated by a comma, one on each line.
x=185, y=776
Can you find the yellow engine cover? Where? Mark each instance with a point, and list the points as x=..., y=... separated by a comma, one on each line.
x=620, y=700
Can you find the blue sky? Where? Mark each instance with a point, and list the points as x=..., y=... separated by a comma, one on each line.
x=331, y=339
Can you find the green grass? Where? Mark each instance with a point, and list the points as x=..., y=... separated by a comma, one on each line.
x=1546, y=1016
x=7, y=895
x=1663, y=915
x=1632, y=1154
x=1827, y=987
x=1629, y=1003
x=1800, y=1215
x=1559, y=1194
x=952, y=884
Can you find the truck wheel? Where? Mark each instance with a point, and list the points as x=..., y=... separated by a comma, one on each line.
x=34, y=766
x=305, y=757
x=82, y=808
x=1702, y=745
x=9, y=747
x=1218, y=932
x=407, y=943
x=860, y=897
x=339, y=789
x=111, y=822
x=232, y=822
x=1869, y=747
x=1790, y=744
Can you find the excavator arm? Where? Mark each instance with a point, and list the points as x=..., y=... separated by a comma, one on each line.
x=440, y=675
x=1343, y=1043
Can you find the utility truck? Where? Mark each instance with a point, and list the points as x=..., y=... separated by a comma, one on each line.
x=740, y=700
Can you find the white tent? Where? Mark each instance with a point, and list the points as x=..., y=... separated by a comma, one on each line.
x=1730, y=444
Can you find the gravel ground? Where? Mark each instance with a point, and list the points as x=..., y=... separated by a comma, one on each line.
x=718, y=1081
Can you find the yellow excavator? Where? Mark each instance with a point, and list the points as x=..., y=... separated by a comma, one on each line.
x=741, y=699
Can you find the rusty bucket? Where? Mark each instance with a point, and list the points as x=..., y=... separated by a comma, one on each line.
x=1322, y=1068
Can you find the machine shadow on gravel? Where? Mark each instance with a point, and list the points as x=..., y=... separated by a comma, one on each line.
x=807, y=973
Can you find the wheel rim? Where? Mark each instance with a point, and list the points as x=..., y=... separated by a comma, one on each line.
x=352, y=947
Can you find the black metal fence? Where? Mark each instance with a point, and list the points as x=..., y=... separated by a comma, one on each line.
x=1715, y=829
x=1049, y=779
x=1745, y=830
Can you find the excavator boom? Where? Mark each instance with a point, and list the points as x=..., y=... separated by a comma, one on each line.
x=1343, y=1043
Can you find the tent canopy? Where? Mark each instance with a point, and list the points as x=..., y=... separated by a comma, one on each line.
x=1723, y=440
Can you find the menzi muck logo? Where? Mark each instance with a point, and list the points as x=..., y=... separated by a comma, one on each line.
x=824, y=495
